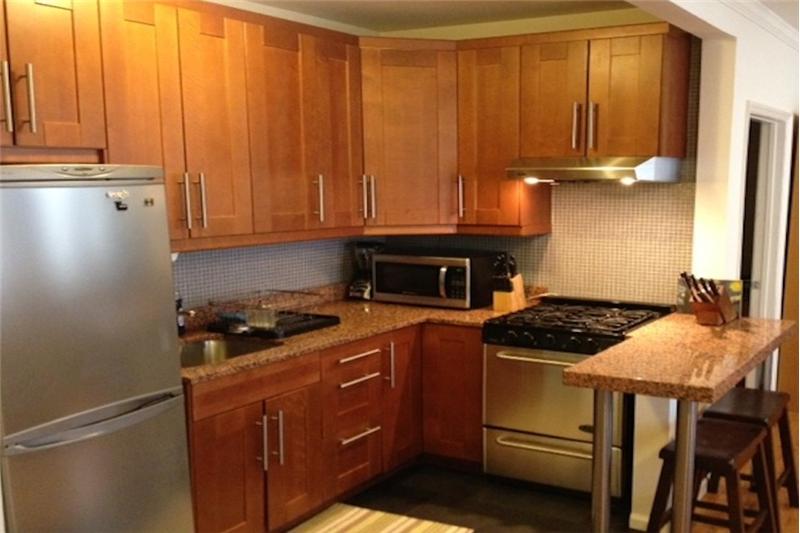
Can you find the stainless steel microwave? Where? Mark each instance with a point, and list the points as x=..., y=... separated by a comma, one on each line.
x=454, y=279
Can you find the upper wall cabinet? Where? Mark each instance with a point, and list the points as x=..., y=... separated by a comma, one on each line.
x=622, y=94
x=52, y=79
x=409, y=92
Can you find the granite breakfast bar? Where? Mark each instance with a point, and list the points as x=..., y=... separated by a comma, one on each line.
x=676, y=358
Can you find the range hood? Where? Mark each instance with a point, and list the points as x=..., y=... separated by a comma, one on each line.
x=625, y=169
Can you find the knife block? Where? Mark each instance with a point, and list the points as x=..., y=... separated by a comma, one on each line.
x=510, y=301
x=717, y=313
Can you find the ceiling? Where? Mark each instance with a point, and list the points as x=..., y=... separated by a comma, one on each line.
x=394, y=15
x=788, y=10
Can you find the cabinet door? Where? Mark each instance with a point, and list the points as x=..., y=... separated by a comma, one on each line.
x=452, y=392
x=553, y=99
x=143, y=98
x=6, y=115
x=331, y=102
x=409, y=134
x=295, y=455
x=277, y=148
x=402, y=398
x=488, y=134
x=227, y=471
x=215, y=122
x=55, y=55
x=624, y=96
x=352, y=414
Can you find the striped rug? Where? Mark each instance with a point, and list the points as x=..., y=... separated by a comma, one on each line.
x=339, y=518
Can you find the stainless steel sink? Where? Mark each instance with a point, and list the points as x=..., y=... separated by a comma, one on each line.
x=214, y=351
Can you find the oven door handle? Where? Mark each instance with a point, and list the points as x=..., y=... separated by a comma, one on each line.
x=511, y=357
x=442, y=282
x=523, y=445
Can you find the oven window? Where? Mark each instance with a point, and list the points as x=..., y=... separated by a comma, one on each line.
x=395, y=278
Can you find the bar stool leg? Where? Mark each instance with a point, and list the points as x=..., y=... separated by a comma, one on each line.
x=788, y=457
x=765, y=489
x=660, y=500
x=735, y=509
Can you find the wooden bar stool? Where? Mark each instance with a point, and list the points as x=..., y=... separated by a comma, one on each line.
x=723, y=448
x=766, y=409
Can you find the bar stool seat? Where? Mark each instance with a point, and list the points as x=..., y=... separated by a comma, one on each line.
x=766, y=409
x=723, y=448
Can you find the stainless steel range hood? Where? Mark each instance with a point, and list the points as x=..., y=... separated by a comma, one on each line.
x=627, y=169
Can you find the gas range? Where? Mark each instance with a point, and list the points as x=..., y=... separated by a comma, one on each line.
x=570, y=324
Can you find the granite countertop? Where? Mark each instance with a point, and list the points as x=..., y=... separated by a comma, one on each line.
x=359, y=320
x=674, y=357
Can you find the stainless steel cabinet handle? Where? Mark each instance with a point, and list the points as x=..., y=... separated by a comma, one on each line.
x=203, y=204
x=576, y=109
x=391, y=377
x=187, y=199
x=374, y=196
x=590, y=125
x=264, y=443
x=460, y=196
x=31, y=97
x=356, y=381
x=511, y=357
x=524, y=445
x=7, y=97
x=358, y=356
x=442, y=282
x=364, y=196
x=350, y=440
x=280, y=452
x=320, y=183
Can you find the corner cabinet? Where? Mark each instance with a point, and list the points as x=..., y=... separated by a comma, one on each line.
x=488, y=140
x=52, y=75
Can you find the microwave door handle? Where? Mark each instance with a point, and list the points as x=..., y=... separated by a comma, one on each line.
x=442, y=280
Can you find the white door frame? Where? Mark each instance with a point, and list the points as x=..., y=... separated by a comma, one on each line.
x=769, y=258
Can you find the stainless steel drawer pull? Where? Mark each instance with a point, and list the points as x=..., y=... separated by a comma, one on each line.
x=7, y=98
x=356, y=381
x=391, y=377
x=460, y=192
x=576, y=109
x=511, y=357
x=364, y=196
x=590, y=125
x=203, y=204
x=350, y=440
x=264, y=443
x=358, y=356
x=320, y=183
x=280, y=452
x=524, y=445
x=187, y=198
x=31, y=97
x=374, y=196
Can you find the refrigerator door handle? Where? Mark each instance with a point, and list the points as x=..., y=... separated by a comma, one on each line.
x=40, y=438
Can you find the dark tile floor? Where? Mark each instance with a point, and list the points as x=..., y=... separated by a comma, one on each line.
x=480, y=502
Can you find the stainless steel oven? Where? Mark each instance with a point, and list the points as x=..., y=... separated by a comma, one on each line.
x=455, y=279
x=535, y=427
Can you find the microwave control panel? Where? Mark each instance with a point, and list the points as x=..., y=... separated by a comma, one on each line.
x=457, y=283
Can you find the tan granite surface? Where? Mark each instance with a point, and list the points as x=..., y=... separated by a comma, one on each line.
x=359, y=321
x=674, y=357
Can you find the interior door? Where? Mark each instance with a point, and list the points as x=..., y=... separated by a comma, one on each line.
x=277, y=147
x=488, y=134
x=6, y=111
x=143, y=96
x=331, y=73
x=624, y=96
x=215, y=122
x=55, y=64
x=553, y=99
x=409, y=133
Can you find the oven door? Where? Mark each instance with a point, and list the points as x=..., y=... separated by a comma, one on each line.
x=438, y=281
x=523, y=391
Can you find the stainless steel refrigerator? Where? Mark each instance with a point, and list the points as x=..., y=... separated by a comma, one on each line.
x=93, y=426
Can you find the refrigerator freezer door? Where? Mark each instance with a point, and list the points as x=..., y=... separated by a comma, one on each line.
x=88, y=317
x=132, y=479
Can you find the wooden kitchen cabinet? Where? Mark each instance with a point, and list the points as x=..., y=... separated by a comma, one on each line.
x=55, y=74
x=294, y=477
x=6, y=118
x=488, y=140
x=452, y=392
x=402, y=398
x=333, y=146
x=409, y=97
x=227, y=472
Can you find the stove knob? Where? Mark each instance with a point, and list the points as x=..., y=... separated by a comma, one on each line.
x=530, y=338
x=549, y=340
x=591, y=345
x=574, y=344
x=512, y=336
